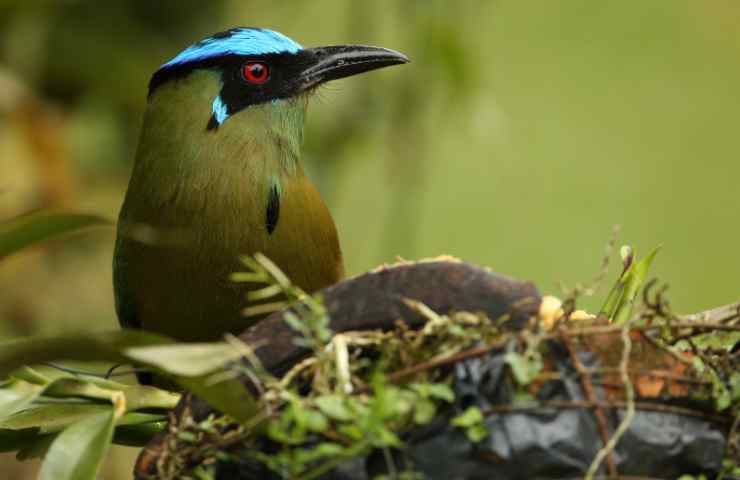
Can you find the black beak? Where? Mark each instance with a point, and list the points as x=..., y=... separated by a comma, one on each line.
x=331, y=63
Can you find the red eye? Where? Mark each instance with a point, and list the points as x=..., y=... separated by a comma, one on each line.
x=255, y=72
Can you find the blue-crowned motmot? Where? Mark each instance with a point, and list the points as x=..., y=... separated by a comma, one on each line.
x=218, y=174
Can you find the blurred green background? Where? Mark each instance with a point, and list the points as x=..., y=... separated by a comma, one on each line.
x=520, y=134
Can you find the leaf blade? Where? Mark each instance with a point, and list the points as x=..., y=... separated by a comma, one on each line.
x=77, y=452
x=30, y=229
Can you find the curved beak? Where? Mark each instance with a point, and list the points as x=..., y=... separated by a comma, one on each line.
x=330, y=63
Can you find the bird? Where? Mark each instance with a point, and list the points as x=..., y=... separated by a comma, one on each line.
x=218, y=174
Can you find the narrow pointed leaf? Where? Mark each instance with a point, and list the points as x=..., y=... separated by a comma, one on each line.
x=636, y=278
x=138, y=435
x=190, y=360
x=37, y=227
x=17, y=395
x=230, y=396
x=52, y=417
x=76, y=453
x=105, y=346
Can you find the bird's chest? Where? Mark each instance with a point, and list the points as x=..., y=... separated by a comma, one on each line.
x=195, y=239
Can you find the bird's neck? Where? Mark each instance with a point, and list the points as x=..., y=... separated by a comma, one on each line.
x=180, y=161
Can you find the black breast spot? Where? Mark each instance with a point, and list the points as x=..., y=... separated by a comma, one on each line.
x=272, y=213
x=212, y=123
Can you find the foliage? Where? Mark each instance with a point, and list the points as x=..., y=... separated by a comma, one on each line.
x=335, y=405
x=26, y=230
x=621, y=299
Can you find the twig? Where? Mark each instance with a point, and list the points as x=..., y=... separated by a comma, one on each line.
x=629, y=415
x=720, y=315
x=458, y=357
x=588, y=389
x=598, y=330
x=573, y=332
x=610, y=405
x=732, y=442
x=569, y=303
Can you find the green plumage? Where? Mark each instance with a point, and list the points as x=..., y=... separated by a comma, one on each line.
x=198, y=199
x=218, y=175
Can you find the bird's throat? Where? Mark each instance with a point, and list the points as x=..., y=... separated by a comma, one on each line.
x=181, y=165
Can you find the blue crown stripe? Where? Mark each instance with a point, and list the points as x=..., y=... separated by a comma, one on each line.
x=239, y=41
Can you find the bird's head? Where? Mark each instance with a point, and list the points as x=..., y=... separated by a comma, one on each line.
x=255, y=66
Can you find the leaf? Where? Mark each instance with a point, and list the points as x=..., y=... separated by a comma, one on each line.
x=30, y=375
x=73, y=387
x=468, y=418
x=735, y=385
x=472, y=421
x=386, y=438
x=144, y=396
x=229, y=396
x=440, y=391
x=636, y=276
x=105, y=346
x=325, y=449
x=137, y=435
x=189, y=360
x=333, y=406
x=52, y=417
x=139, y=418
x=524, y=369
x=316, y=421
x=614, y=299
x=37, y=227
x=78, y=451
x=16, y=395
x=424, y=411
x=476, y=433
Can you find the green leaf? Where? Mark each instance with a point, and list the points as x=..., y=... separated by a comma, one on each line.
x=138, y=418
x=16, y=395
x=316, y=421
x=188, y=360
x=352, y=431
x=73, y=387
x=333, y=406
x=386, y=438
x=143, y=396
x=36, y=227
x=424, y=411
x=52, y=417
x=735, y=385
x=468, y=418
x=137, y=435
x=472, y=421
x=105, y=346
x=476, y=433
x=30, y=375
x=228, y=396
x=635, y=278
x=78, y=451
x=616, y=294
x=441, y=391
x=524, y=369
x=325, y=449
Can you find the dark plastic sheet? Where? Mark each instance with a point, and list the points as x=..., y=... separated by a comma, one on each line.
x=546, y=443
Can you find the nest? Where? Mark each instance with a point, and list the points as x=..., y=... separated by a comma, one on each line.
x=476, y=377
